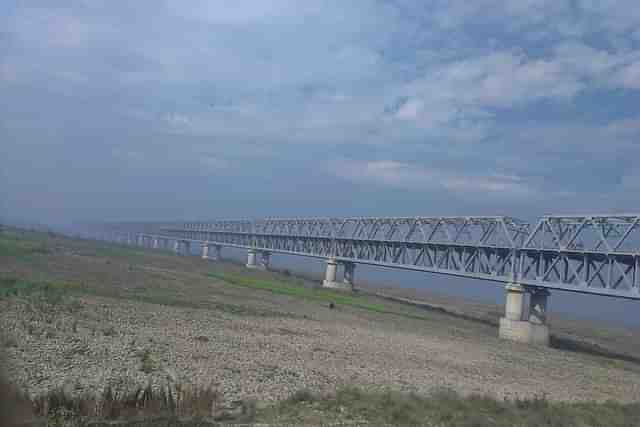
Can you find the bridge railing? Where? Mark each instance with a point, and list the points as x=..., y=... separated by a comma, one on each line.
x=489, y=231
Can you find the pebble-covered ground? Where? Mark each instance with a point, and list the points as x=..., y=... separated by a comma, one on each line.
x=266, y=358
x=269, y=346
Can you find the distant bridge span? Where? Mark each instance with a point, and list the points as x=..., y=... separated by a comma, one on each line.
x=590, y=254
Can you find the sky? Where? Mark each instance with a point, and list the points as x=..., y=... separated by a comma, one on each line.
x=174, y=110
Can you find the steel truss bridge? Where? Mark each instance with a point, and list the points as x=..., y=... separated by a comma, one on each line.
x=591, y=254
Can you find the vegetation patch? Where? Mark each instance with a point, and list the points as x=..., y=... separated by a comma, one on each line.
x=444, y=408
x=168, y=298
x=113, y=251
x=50, y=292
x=12, y=245
x=184, y=405
x=327, y=296
x=148, y=362
x=299, y=291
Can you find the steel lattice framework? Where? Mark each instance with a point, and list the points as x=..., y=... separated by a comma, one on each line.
x=595, y=254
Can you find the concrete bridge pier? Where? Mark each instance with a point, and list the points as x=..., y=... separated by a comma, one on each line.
x=217, y=253
x=211, y=252
x=265, y=260
x=176, y=247
x=205, y=250
x=156, y=244
x=349, y=271
x=331, y=274
x=538, y=306
x=251, y=258
x=530, y=326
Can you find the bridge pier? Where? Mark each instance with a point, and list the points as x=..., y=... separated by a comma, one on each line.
x=516, y=325
x=331, y=274
x=155, y=243
x=251, y=258
x=538, y=306
x=211, y=252
x=265, y=260
x=217, y=253
x=349, y=272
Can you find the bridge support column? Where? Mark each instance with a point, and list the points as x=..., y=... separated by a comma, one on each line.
x=530, y=328
x=205, y=250
x=155, y=244
x=265, y=260
x=217, y=253
x=330, y=277
x=251, y=258
x=349, y=272
x=538, y=306
x=176, y=247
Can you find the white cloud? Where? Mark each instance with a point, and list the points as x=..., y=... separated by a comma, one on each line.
x=410, y=110
x=625, y=128
x=629, y=76
x=468, y=89
x=414, y=177
x=214, y=164
x=56, y=30
x=239, y=12
x=8, y=72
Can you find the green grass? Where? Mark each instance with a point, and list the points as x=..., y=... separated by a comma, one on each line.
x=147, y=406
x=12, y=245
x=444, y=408
x=296, y=290
x=112, y=251
x=50, y=292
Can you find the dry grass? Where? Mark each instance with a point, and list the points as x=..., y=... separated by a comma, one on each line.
x=176, y=400
x=444, y=408
x=177, y=405
x=182, y=405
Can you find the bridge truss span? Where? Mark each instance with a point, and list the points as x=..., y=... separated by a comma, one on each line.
x=596, y=254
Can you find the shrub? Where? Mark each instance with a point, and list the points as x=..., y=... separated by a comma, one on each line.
x=8, y=341
x=148, y=362
x=302, y=395
x=110, y=332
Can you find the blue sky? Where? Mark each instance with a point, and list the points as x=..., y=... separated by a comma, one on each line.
x=203, y=109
